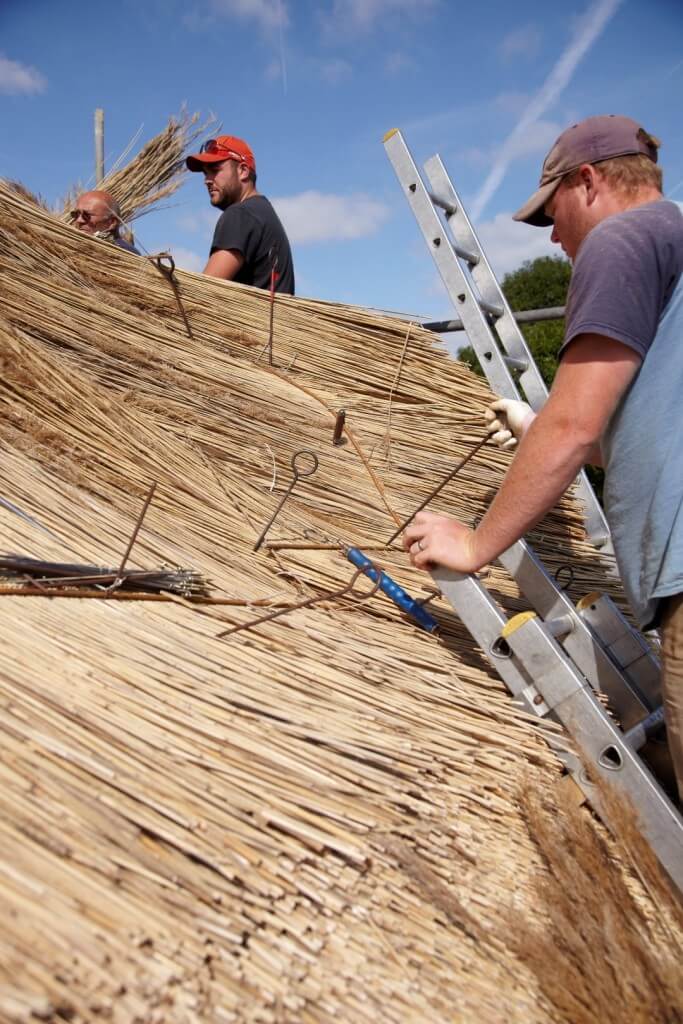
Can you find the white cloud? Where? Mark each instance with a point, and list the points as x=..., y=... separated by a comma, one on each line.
x=270, y=14
x=536, y=138
x=335, y=70
x=187, y=259
x=508, y=244
x=361, y=15
x=588, y=29
x=398, y=62
x=273, y=70
x=18, y=78
x=511, y=102
x=320, y=217
x=199, y=220
x=523, y=42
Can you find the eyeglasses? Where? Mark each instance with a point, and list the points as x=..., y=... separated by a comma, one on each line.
x=213, y=148
x=84, y=214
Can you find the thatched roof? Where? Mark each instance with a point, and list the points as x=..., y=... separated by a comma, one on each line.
x=323, y=818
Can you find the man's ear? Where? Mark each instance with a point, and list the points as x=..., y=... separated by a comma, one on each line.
x=589, y=181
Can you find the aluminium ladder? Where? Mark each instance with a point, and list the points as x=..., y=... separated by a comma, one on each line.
x=478, y=298
x=555, y=658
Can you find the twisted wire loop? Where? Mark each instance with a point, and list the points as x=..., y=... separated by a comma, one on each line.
x=167, y=270
x=329, y=596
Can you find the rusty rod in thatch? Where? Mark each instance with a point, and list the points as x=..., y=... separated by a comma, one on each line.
x=440, y=487
x=338, y=434
x=169, y=273
x=307, y=604
x=297, y=457
x=133, y=537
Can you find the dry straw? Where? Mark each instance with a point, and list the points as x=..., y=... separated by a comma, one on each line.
x=316, y=821
x=155, y=173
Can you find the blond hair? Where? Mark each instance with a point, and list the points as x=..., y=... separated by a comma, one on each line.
x=629, y=174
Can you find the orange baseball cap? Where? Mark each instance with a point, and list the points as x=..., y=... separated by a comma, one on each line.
x=224, y=147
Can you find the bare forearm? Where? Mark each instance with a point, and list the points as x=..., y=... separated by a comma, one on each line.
x=590, y=382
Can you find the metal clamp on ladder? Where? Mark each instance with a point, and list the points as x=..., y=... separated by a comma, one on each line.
x=553, y=661
x=477, y=296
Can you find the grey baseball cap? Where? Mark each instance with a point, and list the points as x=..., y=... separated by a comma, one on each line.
x=588, y=142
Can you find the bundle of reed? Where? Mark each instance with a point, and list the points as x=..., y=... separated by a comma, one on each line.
x=155, y=173
x=25, y=193
x=315, y=820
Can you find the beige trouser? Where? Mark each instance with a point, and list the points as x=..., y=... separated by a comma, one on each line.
x=672, y=681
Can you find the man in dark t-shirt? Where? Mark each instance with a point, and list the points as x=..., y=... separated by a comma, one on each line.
x=249, y=244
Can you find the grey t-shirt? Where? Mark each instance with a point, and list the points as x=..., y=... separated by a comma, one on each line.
x=627, y=284
x=624, y=275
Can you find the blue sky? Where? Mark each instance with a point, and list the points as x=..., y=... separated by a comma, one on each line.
x=313, y=85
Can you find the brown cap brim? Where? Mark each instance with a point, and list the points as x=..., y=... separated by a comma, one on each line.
x=533, y=210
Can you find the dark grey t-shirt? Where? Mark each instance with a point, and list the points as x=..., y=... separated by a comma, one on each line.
x=253, y=228
x=624, y=274
x=128, y=246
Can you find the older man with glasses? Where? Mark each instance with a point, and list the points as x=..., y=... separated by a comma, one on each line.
x=249, y=244
x=97, y=213
x=616, y=398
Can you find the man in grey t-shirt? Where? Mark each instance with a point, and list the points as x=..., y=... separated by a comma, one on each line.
x=615, y=400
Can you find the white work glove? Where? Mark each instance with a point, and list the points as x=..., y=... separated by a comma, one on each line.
x=507, y=422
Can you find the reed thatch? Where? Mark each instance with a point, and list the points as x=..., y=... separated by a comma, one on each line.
x=154, y=174
x=322, y=818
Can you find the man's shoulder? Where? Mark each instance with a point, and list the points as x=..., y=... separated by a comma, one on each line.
x=255, y=208
x=661, y=219
x=649, y=236
x=123, y=243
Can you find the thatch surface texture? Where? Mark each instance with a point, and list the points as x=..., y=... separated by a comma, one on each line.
x=321, y=818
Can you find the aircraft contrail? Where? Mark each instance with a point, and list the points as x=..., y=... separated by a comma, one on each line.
x=589, y=29
x=282, y=46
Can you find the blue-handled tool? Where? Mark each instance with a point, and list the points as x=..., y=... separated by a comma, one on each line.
x=391, y=588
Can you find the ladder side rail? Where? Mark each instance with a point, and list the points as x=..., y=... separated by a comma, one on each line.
x=507, y=328
x=509, y=332
x=485, y=620
x=569, y=697
x=462, y=294
x=632, y=698
x=560, y=693
x=448, y=265
x=624, y=644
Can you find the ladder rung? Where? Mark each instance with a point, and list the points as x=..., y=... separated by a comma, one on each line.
x=638, y=736
x=516, y=364
x=526, y=316
x=446, y=205
x=464, y=254
x=491, y=309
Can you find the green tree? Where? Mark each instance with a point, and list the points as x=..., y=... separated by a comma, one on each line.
x=537, y=284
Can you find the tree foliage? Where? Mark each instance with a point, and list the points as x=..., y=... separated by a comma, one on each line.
x=537, y=284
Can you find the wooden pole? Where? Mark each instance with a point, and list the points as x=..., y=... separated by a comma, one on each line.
x=99, y=145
